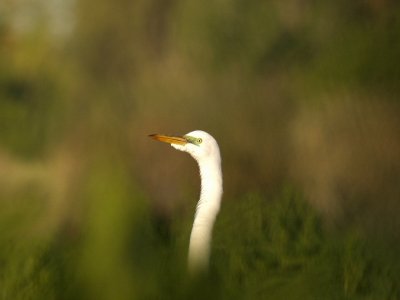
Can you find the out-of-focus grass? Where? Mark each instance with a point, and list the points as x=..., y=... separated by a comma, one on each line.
x=280, y=248
x=300, y=93
x=261, y=247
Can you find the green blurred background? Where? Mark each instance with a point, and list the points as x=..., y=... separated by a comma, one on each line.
x=302, y=96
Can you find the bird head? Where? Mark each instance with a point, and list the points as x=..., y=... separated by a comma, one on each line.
x=199, y=144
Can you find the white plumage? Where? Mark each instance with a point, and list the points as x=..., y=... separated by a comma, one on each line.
x=204, y=149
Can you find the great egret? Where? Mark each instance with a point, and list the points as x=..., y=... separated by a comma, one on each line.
x=204, y=149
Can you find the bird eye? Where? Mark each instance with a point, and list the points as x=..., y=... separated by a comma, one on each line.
x=199, y=140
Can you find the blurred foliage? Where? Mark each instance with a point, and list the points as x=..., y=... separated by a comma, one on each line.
x=303, y=98
x=278, y=248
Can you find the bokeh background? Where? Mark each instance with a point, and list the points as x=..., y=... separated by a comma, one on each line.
x=302, y=96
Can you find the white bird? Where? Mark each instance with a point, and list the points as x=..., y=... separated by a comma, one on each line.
x=204, y=149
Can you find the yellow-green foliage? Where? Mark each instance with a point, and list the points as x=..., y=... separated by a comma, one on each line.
x=302, y=96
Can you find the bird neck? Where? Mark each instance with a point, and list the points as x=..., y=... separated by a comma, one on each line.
x=206, y=212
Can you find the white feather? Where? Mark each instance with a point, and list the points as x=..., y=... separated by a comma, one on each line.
x=208, y=157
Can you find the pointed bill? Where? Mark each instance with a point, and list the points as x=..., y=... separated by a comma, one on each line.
x=169, y=139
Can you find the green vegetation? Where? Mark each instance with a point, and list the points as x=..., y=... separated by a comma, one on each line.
x=303, y=98
x=262, y=248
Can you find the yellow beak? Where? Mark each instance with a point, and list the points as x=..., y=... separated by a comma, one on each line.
x=169, y=139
